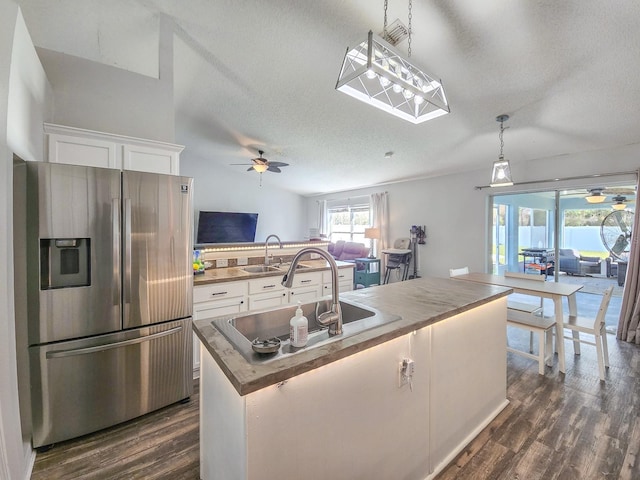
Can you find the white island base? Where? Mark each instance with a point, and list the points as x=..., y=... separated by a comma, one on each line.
x=350, y=419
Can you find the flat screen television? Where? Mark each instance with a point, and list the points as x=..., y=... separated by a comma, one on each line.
x=226, y=227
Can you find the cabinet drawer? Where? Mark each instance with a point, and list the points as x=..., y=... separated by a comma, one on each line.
x=267, y=300
x=218, y=308
x=344, y=275
x=205, y=293
x=307, y=279
x=267, y=284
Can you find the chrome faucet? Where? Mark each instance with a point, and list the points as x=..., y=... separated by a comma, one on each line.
x=333, y=317
x=266, y=248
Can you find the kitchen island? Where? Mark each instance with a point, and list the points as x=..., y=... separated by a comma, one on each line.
x=340, y=410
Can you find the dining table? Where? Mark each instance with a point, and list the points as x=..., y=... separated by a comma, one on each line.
x=552, y=290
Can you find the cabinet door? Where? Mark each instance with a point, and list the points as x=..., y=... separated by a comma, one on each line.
x=305, y=294
x=88, y=152
x=150, y=159
x=344, y=286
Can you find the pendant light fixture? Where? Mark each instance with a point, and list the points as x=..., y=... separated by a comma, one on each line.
x=501, y=174
x=376, y=73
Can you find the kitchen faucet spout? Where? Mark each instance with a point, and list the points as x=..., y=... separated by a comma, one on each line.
x=333, y=317
x=266, y=248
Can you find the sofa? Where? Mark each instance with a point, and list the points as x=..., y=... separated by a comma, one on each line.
x=347, y=251
x=572, y=263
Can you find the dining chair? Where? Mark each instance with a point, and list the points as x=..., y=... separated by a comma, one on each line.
x=596, y=327
x=454, y=272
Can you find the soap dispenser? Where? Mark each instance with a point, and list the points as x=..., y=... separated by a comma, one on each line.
x=298, y=328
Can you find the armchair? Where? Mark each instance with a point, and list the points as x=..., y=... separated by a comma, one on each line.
x=572, y=263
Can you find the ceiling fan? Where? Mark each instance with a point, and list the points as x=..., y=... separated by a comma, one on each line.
x=599, y=194
x=261, y=164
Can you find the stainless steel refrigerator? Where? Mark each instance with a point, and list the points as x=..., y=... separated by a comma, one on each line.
x=109, y=292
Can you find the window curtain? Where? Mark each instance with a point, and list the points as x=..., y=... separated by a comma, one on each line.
x=379, y=204
x=629, y=323
x=323, y=218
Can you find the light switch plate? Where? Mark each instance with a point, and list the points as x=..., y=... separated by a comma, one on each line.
x=222, y=262
x=243, y=261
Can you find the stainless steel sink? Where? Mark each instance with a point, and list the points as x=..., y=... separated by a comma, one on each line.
x=261, y=269
x=242, y=330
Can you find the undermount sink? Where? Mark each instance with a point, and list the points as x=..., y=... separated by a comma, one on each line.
x=242, y=330
x=261, y=269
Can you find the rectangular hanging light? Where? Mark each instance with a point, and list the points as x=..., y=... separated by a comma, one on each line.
x=376, y=73
x=501, y=173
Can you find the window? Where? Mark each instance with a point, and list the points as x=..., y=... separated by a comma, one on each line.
x=348, y=219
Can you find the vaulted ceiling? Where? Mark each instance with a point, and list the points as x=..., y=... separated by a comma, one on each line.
x=256, y=74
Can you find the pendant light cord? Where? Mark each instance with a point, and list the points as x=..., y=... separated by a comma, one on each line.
x=501, y=139
x=384, y=28
x=409, y=39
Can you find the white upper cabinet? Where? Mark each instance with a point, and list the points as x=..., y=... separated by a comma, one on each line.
x=77, y=146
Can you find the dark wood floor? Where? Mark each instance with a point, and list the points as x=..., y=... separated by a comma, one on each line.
x=555, y=427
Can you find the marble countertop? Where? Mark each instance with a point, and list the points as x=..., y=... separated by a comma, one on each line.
x=219, y=275
x=420, y=302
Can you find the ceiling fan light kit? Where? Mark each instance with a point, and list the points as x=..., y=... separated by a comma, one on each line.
x=595, y=196
x=376, y=73
x=501, y=172
x=619, y=202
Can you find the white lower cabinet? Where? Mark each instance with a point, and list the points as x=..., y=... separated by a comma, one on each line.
x=266, y=293
x=345, y=281
x=306, y=287
x=214, y=300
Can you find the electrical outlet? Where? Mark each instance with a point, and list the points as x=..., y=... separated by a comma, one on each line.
x=314, y=256
x=222, y=262
x=406, y=369
x=243, y=261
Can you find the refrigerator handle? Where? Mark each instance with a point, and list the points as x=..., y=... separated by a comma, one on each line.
x=127, y=260
x=117, y=267
x=109, y=346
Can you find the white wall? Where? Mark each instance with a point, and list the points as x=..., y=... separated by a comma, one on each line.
x=25, y=101
x=99, y=97
x=455, y=213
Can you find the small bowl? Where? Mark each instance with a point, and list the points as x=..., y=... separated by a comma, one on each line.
x=271, y=345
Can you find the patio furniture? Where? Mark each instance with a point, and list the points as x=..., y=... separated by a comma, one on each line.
x=572, y=263
x=593, y=327
x=612, y=267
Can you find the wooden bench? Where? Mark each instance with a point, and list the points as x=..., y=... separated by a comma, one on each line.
x=541, y=325
x=526, y=307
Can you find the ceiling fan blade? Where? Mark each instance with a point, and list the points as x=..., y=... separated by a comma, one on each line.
x=278, y=164
x=274, y=169
x=249, y=169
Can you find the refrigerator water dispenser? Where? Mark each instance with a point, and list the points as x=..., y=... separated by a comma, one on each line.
x=65, y=262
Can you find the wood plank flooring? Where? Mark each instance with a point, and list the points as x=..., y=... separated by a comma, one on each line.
x=555, y=427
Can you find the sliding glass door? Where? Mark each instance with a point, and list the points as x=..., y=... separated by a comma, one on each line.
x=522, y=223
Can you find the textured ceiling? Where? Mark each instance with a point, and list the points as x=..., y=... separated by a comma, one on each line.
x=262, y=74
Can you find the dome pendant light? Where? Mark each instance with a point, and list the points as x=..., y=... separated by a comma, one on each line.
x=501, y=174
